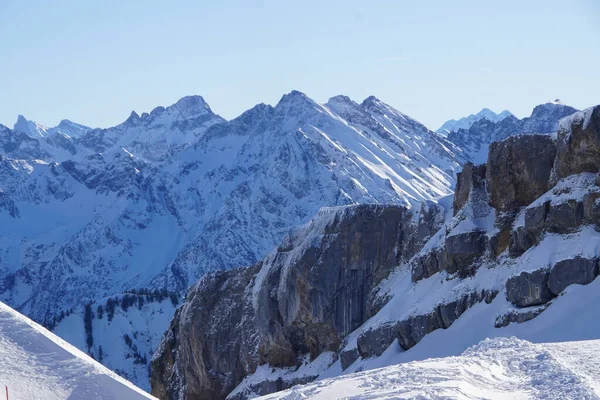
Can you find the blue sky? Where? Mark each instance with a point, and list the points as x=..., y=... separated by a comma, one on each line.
x=95, y=61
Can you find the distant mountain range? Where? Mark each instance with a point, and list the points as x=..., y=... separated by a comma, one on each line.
x=475, y=140
x=466, y=122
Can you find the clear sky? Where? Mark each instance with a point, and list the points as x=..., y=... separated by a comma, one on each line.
x=93, y=61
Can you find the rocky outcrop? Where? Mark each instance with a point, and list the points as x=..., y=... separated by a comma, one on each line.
x=519, y=316
x=375, y=341
x=539, y=287
x=472, y=176
x=463, y=249
x=301, y=300
x=411, y=331
x=515, y=177
x=529, y=289
x=581, y=271
x=578, y=144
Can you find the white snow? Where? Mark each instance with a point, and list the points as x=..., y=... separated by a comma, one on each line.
x=36, y=364
x=502, y=368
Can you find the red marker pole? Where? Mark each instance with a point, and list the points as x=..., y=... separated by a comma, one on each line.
x=6, y=391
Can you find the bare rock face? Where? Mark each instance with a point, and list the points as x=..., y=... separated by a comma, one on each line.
x=472, y=176
x=374, y=342
x=579, y=270
x=529, y=289
x=578, y=144
x=300, y=300
x=463, y=249
x=518, y=170
x=411, y=331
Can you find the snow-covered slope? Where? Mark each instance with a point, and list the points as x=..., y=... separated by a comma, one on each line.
x=493, y=369
x=466, y=122
x=36, y=364
x=162, y=198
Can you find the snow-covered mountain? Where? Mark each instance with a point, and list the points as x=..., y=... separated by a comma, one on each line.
x=475, y=140
x=35, y=130
x=466, y=122
x=36, y=364
x=159, y=200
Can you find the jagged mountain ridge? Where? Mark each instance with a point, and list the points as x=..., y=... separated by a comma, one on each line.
x=514, y=259
x=35, y=130
x=125, y=212
x=476, y=139
x=466, y=122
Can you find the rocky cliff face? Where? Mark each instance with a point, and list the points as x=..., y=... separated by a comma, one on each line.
x=300, y=301
x=341, y=290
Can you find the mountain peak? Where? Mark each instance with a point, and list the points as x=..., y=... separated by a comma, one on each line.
x=295, y=101
x=371, y=101
x=30, y=128
x=133, y=118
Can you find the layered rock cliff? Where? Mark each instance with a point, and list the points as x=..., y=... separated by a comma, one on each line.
x=359, y=280
x=300, y=301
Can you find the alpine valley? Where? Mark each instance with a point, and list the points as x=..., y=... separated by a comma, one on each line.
x=202, y=258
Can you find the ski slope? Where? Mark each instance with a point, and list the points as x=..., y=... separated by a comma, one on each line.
x=36, y=364
x=501, y=368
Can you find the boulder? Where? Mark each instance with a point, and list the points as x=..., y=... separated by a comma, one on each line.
x=565, y=217
x=529, y=288
x=411, y=331
x=425, y=265
x=578, y=144
x=519, y=316
x=375, y=341
x=578, y=270
x=520, y=241
x=591, y=208
x=518, y=170
x=463, y=249
x=348, y=357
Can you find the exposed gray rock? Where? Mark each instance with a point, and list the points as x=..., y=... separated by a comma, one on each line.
x=591, y=207
x=411, y=331
x=564, y=217
x=520, y=241
x=374, y=342
x=347, y=358
x=463, y=249
x=578, y=144
x=578, y=270
x=472, y=176
x=425, y=265
x=515, y=177
x=519, y=316
x=308, y=296
x=8, y=205
x=529, y=288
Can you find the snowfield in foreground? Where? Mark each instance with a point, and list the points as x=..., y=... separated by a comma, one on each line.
x=36, y=364
x=501, y=368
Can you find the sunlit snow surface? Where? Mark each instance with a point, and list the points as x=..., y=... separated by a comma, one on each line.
x=36, y=364
x=502, y=368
